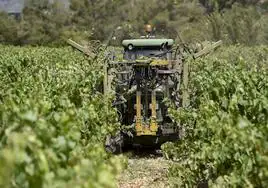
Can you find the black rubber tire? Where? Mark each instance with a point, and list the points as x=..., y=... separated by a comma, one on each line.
x=114, y=144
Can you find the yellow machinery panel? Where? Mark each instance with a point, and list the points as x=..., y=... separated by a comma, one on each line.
x=141, y=128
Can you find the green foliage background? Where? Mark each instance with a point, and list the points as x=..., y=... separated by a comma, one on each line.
x=45, y=23
x=226, y=122
x=53, y=120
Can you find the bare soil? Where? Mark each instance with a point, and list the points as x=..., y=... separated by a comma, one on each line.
x=145, y=171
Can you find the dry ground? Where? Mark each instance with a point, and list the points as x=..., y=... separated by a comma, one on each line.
x=148, y=171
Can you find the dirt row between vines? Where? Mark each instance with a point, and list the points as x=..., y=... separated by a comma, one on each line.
x=147, y=171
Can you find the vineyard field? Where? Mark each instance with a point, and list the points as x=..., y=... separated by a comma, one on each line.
x=226, y=123
x=53, y=120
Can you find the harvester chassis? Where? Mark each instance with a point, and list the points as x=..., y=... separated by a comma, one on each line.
x=142, y=88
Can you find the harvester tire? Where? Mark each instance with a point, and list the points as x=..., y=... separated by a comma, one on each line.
x=114, y=144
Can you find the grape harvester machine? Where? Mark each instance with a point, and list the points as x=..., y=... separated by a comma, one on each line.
x=151, y=72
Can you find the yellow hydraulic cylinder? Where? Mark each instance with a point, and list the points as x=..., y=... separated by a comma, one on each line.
x=141, y=128
x=138, y=113
x=153, y=126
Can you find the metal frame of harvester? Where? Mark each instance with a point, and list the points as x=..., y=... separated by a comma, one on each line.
x=151, y=71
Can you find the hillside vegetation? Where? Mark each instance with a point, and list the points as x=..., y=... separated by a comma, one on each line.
x=45, y=23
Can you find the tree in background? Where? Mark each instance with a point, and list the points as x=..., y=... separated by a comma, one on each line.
x=50, y=23
x=43, y=22
x=220, y=5
x=245, y=25
x=95, y=17
x=8, y=29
